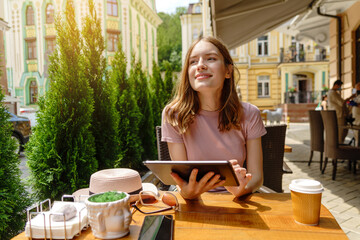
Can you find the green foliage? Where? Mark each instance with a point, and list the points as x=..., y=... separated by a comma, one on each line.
x=61, y=150
x=129, y=115
x=169, y=82
x=169, y=39
x=157, y=90
x=143, y=99
x=104, y=121
x=13, y=196
x=107, y=197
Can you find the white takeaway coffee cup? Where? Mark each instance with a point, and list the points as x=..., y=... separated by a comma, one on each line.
x=306, y=200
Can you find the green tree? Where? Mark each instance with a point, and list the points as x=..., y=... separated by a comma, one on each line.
x=13, y=197
x=128, y=113
x=157, y=94
x=104, y=121
x=143, y=99
x=169, y=82
x=169, y=39
x=61, y=150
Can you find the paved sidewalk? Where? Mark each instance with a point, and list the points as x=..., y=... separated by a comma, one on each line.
x=342, y=196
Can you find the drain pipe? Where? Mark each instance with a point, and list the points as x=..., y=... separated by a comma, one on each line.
x=338, y=18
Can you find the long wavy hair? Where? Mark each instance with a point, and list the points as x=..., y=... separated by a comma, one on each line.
x=185, y=104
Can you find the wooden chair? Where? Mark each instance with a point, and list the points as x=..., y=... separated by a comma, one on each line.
x=163, y=150
x=316, y=135
x=333, y=149
x=273, y=156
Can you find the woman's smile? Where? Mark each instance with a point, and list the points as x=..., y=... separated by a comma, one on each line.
x=201, y=76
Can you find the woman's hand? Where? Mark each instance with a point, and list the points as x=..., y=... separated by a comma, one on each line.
x=242, y=176
x=193, y=189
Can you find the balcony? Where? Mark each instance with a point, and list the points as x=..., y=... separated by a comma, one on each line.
x=292, y=55
x=303, y=96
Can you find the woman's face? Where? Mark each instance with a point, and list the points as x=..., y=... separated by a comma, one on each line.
x=207, y=70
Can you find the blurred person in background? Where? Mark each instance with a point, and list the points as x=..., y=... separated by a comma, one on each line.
x=337, y=103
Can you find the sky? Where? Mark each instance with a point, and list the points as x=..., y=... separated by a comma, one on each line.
x=169, y=6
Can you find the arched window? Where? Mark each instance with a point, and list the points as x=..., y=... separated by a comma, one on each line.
x=49, y=13
x=112, y=8
x=33, y=91
x=29, y=15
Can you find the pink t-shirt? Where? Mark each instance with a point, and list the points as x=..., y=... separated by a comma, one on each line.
x=203, y=140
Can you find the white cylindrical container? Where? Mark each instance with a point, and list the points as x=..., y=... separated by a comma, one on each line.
x=109, y=220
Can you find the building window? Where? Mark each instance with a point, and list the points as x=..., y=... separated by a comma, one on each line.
x=112, y=8
x=113, y=39
x=263, y=86
x=49, y=13
x=33, y=91
x=263, y=46
x=197, y=9
x=31, y=49
x=195, y=34
x=50, y=45
x=29, y=15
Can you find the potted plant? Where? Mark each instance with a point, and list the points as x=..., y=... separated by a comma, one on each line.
x=292, y=90
x=109, y=214
x=325, y=89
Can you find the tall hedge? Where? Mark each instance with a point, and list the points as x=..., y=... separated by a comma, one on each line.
x=157, y=94
x=143, y=98
x=61, y=150
x=13, y=196
x=104, y=119
x=129, y=115
x=168, y=82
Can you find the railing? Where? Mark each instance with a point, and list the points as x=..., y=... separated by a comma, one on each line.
x=303, y=96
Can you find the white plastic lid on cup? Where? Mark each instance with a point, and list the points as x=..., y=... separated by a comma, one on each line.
x=306, y=186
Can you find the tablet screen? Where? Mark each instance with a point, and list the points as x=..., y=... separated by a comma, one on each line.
x=162, y=170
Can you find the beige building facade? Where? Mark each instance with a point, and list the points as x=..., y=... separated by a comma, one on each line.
x=32, y=38
x=350, y=46
x=3, y=28
x=274, y=68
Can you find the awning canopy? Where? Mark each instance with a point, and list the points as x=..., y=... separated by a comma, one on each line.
x=313, y=26
x=237, y=22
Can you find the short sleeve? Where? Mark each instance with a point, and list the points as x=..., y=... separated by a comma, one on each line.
x=254, y=125
x=168, y=132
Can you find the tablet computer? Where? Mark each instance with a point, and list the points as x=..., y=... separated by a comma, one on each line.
x=162, y=170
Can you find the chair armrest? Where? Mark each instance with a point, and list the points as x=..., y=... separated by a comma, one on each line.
x=286, y=168
x=264, y=189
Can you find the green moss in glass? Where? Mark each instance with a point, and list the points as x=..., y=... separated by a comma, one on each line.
x=107, y=197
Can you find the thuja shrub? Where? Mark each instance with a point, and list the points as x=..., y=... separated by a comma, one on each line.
x=104, y=118
x=13, y=196
x=128, y=113
x=61, y=150
x=143, y=98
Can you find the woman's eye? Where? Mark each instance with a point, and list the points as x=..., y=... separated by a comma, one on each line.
x=211, y=58
x=193, y=62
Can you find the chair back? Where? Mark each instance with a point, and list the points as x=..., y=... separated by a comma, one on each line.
x=316, y=131
x=162, y=147
x=331, y=132
x=273, y=156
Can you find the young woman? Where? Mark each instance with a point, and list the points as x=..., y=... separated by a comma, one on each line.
x=206, y=121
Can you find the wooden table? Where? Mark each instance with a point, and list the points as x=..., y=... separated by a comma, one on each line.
x=221, y=216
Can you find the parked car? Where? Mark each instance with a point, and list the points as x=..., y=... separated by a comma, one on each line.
x=21, y=130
